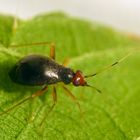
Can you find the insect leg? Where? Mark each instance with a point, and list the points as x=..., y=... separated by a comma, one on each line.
x=51, y=44
x=16, y=20
x=15, y=24
x=52, y=51
x=39, y=93
x=65, y=62
x=54, y=95
x=68, y=93
x=31, y=44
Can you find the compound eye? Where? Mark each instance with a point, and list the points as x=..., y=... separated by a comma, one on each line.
x=77, y=81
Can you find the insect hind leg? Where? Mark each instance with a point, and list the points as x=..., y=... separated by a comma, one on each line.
x=39, y=93
x=54, y=95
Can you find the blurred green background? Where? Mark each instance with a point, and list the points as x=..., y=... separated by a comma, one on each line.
x=112, y=115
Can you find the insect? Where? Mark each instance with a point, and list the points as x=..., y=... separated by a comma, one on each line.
x=38, y=70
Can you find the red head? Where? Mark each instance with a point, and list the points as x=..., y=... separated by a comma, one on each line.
x=78, y=79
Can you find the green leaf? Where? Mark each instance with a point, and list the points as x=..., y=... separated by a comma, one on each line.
x=112, y=115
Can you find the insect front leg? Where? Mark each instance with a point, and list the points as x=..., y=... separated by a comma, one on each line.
x=68, y=93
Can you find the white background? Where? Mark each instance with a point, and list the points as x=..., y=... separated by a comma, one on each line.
x=121, y=14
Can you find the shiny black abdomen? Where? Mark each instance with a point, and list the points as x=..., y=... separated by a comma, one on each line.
x=35, y=70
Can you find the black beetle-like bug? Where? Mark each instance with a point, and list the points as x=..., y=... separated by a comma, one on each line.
x=38, y=70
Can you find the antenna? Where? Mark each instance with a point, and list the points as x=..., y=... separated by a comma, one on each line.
x=109, y=66
x=99, y=91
